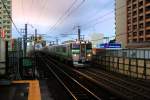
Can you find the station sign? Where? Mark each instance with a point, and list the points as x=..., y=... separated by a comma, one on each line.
x=110, y=45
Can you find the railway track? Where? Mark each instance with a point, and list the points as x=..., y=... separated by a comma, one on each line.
x=142, y=82
x=128, y=89
x=123, y=88
x=95, y=88
x=138, y=83
x=76, y=90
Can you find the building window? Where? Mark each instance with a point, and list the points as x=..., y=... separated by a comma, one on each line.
x=134, y=13
x=148, y=39
x=134, y=40
x=147, y=24
x=140, y=18
x=147, y=15
x=128, y=2
x=134, y=27
x=141, y=40
x=147, y=32
x=134, y=20
x=147, y=8
x=140, y=3
x=141, y=25
x=134, y=6
x=147, y=1
x=140, y=33
x=134, y=33
x=140, y=10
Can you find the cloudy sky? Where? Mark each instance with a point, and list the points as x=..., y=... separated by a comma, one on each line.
x=55, y=17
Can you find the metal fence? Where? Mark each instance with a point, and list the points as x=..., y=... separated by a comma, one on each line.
x=130, y=62
x=130, y=53
x=13, y=63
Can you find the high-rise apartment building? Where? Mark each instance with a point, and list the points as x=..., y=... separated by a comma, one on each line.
x=5, y=25
x=137, y=23
x=120, y=18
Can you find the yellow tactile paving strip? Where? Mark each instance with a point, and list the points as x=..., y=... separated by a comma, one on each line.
x=34, y=89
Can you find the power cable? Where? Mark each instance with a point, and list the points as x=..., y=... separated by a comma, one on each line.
x=100, y=21
x=68, y=11
x=22, y=9
x=42, y=11
x=102, y=16
x=31, y=7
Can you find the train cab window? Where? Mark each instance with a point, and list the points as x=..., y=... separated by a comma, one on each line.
x=75, y=46
x=89, y=46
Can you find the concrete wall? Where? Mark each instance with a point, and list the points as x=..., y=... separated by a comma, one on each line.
x=120, y=16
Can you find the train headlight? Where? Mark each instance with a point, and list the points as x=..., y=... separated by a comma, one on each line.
x=75, y=55
x=89, y=55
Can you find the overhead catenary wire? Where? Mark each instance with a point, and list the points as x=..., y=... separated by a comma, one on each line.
x=42, y=10
x=62, y=16
x=100, y=17
x=22, y=9
x=31, y=7
x=103, y=20
x=74, y=10
x=10, y=17
x=67, y=14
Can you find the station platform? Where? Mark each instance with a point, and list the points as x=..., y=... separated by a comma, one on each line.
x=21, y=90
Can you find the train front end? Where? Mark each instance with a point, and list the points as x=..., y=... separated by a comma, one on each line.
x=81, y=53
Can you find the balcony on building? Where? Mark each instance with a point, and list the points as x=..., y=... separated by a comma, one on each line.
x=147, y=39
x=141, y=26
x=147, y=17
x=147, y=9
x=134, y=20
x=141, y=19
x=134, y=34
x=147, y=2
x=134, y=40
x=140, y=10
x=128, y=2
x=129, y=8
x=141, y=40
x=141, y=34
x=147, y=33
x=134, y=6
x=134, y=1
x=147, y=25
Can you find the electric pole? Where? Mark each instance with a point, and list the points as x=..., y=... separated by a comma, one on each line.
x=79, y=33
x=25, y=40
x=57, y=40
x=35, y=40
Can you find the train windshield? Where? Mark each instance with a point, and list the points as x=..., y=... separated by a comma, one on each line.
x=89, y=46
x=76, y=46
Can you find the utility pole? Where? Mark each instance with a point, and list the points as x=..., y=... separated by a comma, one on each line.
x=35, y=40
x=79, y=33
x=6, y=56
x=57, y=40
x=25, y=40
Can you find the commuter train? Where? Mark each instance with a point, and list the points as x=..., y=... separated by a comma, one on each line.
x=77, y=53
